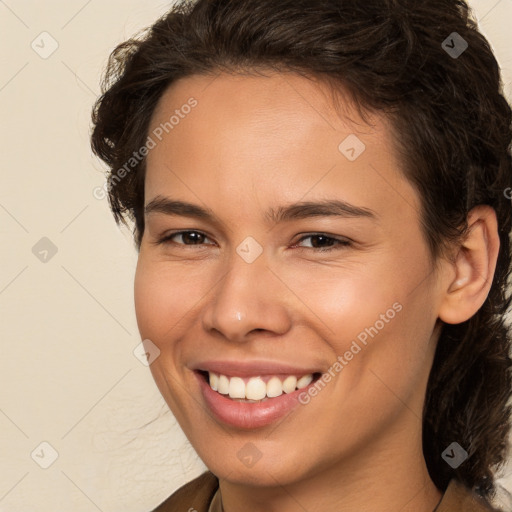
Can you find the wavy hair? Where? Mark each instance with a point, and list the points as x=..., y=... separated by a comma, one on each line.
x=452, y=128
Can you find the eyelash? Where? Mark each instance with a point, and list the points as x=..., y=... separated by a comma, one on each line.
x=340, y=243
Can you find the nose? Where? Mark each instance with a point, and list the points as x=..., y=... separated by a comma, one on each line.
x=248, y=300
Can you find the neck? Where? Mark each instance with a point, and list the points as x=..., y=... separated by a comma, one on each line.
x=389, y=474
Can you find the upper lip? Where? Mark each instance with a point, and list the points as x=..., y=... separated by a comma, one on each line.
x=252, y=368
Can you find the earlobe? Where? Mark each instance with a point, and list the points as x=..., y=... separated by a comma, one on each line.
x=474, y=267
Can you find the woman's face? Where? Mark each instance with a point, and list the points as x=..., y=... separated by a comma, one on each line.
x=303, y=255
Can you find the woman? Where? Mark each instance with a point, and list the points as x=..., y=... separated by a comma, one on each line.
x=319, y=195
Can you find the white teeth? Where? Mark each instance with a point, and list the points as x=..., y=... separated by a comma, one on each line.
x=256, y=389
x=223, y=385
x=214, y=381
x=304, y=381
x=236, y=387
x=290, y=384
x=274, y=387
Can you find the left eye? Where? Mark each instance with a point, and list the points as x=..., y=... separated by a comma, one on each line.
x=324, y=242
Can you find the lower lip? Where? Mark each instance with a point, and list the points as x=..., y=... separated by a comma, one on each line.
x=248, y=415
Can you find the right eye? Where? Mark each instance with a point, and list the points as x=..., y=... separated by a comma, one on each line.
x=187, y=237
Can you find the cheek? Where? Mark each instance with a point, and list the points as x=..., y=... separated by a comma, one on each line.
x=148, y=303
x=371, y=312
x=341, y=300
x=159, y=307
x=163, y=296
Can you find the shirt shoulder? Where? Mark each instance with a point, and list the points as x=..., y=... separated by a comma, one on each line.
x=195, y=496
x=459, y=498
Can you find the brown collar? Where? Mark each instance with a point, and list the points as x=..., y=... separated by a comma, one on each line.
x=199, y=493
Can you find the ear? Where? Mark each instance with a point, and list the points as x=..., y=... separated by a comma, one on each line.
x=472, y=268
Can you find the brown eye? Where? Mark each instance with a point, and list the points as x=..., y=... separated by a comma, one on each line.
x=192, y=237
x=323, y=242
x=185, y=238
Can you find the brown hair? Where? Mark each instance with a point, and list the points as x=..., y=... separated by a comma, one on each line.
x=453, y=131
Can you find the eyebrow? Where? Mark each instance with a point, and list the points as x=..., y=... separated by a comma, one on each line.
x=294, y=211
x=324, y=208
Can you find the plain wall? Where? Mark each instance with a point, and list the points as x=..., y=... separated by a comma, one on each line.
x=68, y=373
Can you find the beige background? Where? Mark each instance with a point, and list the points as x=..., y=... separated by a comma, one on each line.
x=68, y=373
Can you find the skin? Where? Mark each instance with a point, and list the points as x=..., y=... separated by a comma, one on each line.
x=258, y=142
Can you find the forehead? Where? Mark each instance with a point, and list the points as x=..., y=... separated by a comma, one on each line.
x=258, y=100
x=278, y=136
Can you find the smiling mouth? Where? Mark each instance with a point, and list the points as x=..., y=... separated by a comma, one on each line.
x=259, y=388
